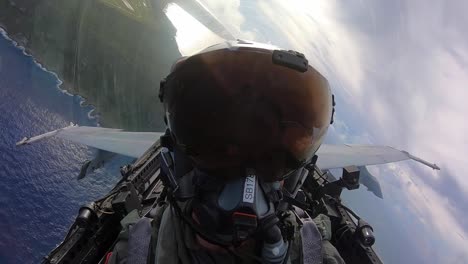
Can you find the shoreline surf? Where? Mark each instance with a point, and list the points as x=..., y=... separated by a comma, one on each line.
x=92, y=114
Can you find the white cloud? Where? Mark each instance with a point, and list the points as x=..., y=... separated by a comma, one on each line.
x=418, y=102
x=229, y=14
x=424, y=104
x=432, y=210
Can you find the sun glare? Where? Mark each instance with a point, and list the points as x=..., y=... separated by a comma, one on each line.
x=192, y=36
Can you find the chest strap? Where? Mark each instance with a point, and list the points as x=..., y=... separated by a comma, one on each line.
x=139, y=238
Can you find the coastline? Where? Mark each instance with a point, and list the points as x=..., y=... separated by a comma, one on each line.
x=92, y=114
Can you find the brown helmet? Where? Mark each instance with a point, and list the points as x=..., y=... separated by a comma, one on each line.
x=239, y=104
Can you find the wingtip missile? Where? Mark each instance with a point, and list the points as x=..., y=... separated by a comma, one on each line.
x=23, y=141
x=30, y=140
x=430, y=165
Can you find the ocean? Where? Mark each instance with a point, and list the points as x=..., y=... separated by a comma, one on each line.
x=39, y=192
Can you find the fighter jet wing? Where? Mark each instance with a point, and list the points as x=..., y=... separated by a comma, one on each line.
x=340, y=156
x=132, y=144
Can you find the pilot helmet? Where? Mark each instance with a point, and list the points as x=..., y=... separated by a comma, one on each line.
x=242, y=104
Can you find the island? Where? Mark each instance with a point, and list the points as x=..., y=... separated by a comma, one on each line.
x=111, y=52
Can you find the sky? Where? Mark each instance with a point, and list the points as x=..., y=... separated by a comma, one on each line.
x=399, y=71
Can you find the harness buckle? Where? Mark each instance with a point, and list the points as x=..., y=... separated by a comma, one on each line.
x=244, y=224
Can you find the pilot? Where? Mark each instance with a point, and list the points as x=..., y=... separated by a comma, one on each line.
x=244, y=123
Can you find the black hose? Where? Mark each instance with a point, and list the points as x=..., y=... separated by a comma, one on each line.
x=211, y=239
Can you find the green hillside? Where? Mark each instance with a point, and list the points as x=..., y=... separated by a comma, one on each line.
x=112, y=52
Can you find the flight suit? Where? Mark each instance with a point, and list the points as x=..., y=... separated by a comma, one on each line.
x=176, y=243
x=173, y=242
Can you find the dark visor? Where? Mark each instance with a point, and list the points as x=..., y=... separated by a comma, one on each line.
x=235, y=107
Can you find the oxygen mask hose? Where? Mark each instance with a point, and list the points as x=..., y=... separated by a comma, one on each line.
x=274, y=248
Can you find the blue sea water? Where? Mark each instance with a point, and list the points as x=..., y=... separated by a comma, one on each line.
x=39, y=193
